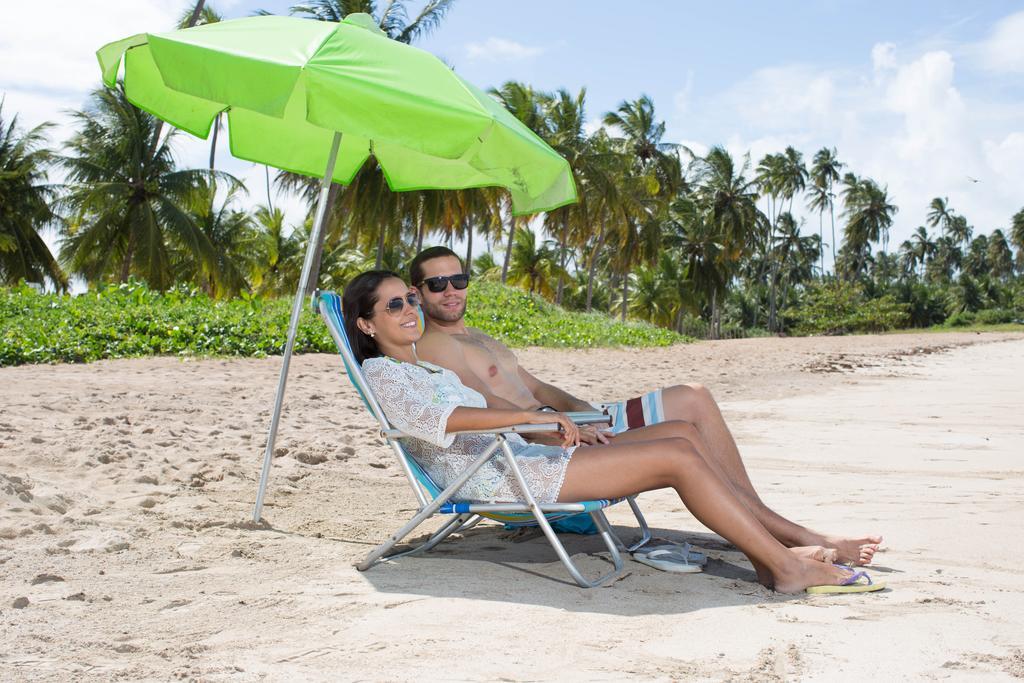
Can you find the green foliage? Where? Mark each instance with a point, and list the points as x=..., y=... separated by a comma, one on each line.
x=518, y=319
x=131, y=320
x=840, y=308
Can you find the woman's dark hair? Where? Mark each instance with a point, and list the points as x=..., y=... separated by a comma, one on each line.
x=357, y=301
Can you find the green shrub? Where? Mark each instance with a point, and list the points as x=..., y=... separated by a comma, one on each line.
x=961, y=319
x=130, y=320
x=996, y=316
x=840, y=308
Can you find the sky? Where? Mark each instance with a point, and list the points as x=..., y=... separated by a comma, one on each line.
x=924, y=97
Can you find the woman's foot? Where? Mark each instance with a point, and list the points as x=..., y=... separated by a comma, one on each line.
x=817, y=553
x=855, y=551
x=810, y=573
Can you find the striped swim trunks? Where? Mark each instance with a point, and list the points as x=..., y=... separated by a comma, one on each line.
x=635, y=412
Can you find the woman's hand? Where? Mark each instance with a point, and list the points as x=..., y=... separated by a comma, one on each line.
x=569, y=430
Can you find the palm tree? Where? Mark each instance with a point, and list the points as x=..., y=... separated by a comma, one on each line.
x=868, y=216
x=959, y=230
x=25, y=201
x=946, y=260
x=393, y=19
x=975, y=262
x=566, y=117
x=729, y=221
x=657, y=291
x=907, y=260
x=790, y=178
x=125, y=199
x=656, y=165
x=824, y=174
x=1000, y=257
x=923, y=247
x=794, y=254
x=234, y=238
x=533, y=267
x=527, y=105
x=939, y=213
x=1017, y=237
x=273, y=252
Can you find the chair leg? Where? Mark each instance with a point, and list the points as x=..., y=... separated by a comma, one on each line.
x=645, y=531
x=377, y=553
x=457, y=523
x=552, y=537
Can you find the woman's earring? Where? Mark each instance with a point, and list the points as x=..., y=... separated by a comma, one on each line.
x=372, y=334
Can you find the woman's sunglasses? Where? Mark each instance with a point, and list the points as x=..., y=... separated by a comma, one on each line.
x=395, y=306
x=440, y=283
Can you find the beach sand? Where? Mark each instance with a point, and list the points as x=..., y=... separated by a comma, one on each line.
x=125, y=553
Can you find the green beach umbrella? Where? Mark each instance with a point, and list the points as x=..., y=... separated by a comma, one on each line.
x=319, y=98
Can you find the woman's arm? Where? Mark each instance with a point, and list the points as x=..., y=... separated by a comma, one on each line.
x=465, y=419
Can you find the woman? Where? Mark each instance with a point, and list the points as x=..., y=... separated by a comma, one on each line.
x=431, y=404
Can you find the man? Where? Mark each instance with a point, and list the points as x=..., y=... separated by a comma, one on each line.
x=489, y=367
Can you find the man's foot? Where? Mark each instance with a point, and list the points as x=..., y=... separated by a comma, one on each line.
x=817, y=553
x=810, y=573
x=855, y=551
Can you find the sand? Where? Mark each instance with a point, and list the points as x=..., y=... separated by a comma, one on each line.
x=125, y=554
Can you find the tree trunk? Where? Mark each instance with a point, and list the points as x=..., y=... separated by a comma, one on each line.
x=332, y=196
x=508, y=250
x=592, y=270
x=821, y=242
x=562, y=254
x=126, y=264
x=270, y=204
x=382, y=231
x=625, y=295
x=419, y=231
x=832, y=213
x=213, y=141
x=469, y=249
x=712, y=328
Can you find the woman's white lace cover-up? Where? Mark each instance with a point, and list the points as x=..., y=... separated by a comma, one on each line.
x=418, y=399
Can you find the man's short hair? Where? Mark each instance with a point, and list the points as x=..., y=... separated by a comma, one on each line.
x=416, y=267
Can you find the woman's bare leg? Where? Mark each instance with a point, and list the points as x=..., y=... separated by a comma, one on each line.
x=694, y=403
x=776, y=525
x=619, y=470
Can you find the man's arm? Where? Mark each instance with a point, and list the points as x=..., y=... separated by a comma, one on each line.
x=551, y=395
x=440, y=349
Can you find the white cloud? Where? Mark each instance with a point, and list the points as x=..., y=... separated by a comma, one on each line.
x=1003, y=50
x=901, y=121
x=681, y=100
x=501, y=50
x=883, y=56
x=592, y=126
x=782, y=97
x=57, y=53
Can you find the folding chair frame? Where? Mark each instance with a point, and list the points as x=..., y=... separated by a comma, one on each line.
x=466, y=515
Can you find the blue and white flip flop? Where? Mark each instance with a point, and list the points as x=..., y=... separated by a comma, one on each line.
x=676, y=558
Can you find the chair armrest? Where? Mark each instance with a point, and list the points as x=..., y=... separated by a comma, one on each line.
x=518, y=429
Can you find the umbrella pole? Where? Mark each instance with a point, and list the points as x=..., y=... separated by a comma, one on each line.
x=293, y=325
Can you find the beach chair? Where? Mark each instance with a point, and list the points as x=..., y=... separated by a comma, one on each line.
x=433, y=500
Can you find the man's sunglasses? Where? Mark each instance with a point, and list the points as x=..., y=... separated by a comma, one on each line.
x=395, y=306
x=440, y=283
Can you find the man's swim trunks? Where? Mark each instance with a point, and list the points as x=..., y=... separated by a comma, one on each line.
x=640, y=411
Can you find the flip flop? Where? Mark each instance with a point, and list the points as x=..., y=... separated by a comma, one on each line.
x=857, y=582
x=667, y=560
x=692, y=556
